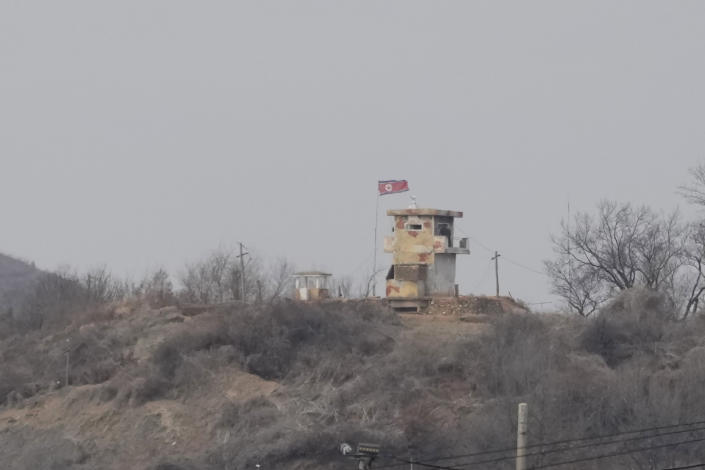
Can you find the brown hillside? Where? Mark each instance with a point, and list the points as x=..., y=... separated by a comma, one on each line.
x=283, y=385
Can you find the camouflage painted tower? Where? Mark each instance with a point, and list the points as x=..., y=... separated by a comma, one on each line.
x=423, y=247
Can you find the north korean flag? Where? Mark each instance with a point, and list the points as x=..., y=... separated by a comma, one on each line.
x=392, y=186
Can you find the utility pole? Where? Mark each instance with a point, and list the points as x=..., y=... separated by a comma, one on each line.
x=412, y=451
x=496, y=269
x=521, y=436
x=66, y=375
x=242, y=271
x=67, y=369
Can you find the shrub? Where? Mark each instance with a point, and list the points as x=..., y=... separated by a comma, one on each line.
x=250, y=415
x=13, y=380
x=278, y=339
x=635, y=321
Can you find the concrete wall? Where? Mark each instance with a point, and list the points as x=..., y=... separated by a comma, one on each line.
x=441, y=276
x=408, y=289
x=412, y=246
x=311, y=293
x=407, y=280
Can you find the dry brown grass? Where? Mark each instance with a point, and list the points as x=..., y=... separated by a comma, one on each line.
x=282, y=385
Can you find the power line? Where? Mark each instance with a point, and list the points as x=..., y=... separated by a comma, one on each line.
x=482, y=245
x=516, y=263
x=617, y=454
x=578, y=439
x=416, y=462
x=579, y=460
x=483, y=277
x=565, y=441
x=486, y=248
x=696, y=465
x=582, y=446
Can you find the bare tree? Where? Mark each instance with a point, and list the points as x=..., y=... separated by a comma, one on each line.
x=156, y=289
x=694, y=258
x=694, y=192
x=51, y=298
x=208, y=280
x=254, y=279
x=344, y=286
x=100, y=286
x=217, y=278
x=366, y=287
x=278, y=278
x=660, y=250
x=580, y=287
x=622, y=247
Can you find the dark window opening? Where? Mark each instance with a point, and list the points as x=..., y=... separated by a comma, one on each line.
x=409, y=272
x=406, y=309
x=390, y=273
x=414, y=227
x=444, y=231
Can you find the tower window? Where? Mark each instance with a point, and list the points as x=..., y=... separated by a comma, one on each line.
x=443, y=230
x=414, y=227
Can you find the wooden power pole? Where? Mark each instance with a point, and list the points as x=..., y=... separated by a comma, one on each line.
x=67, y=368
x=521, y=436
x=66, y=372
x=496, y=270
x=242, y=272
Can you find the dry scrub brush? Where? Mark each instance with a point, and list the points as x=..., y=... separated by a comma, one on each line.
x=351, y=371
x=450, y=396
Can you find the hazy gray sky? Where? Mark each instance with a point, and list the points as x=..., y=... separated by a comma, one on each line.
x=145, y=133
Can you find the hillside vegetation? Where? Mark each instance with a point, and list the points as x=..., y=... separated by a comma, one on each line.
x=16, y=276
x=283, y=384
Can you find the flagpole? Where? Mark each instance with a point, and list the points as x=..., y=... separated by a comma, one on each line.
x=374, y=256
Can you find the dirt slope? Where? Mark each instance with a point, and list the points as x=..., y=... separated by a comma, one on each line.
x=84, y=421
x=116, y=421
